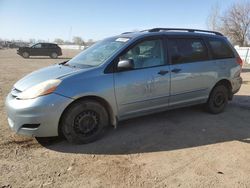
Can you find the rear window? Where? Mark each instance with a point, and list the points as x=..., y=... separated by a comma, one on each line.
x=53, y=46
x=187, y=50
x=220, y=49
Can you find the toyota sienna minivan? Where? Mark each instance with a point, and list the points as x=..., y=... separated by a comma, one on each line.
x=121, y=77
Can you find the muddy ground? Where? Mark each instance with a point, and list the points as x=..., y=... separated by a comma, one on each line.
x=180, y=148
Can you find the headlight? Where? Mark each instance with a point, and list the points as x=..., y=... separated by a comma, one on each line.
x=43, y=88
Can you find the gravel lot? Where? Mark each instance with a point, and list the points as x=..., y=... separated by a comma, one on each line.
x=180, y=148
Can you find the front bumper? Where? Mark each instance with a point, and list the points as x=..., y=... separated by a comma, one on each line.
x=44, y=111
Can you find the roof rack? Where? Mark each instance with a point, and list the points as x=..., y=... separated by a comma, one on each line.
x=182, y=29
x=126, y=32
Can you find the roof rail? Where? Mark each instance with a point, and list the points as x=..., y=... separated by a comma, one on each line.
x=126, y=32
x=182, y=29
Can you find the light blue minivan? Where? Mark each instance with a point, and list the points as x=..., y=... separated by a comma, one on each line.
x=129, y=75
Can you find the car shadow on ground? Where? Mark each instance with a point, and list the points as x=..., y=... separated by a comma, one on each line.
x=245, y=70
x=49, y=58
x=170, y=130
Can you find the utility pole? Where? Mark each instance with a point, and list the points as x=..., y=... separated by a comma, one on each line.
x=70, y=32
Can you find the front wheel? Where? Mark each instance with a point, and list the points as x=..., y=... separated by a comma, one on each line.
x=218, y=99
x=26, y=55
x=84, y=122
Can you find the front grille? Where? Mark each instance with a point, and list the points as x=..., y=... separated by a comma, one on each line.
x=15, y=92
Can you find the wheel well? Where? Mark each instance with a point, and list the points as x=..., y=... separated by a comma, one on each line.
x=228, y=85
x=100, y=100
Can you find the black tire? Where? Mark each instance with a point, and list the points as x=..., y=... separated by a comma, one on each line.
x=53, y=55
x=25, y=54
x=84, y=122
x=218, y=99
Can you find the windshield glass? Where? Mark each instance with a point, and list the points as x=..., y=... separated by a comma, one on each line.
x=98, y=53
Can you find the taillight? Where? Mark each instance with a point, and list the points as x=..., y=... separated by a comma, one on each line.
x=239, y=61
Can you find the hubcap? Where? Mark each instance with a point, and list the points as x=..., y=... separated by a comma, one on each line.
x=86, y=123
x=219, y=99
x=25, y=54
x=54, y=55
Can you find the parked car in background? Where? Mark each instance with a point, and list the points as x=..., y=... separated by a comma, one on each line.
x=126, y=76
x=40, y=49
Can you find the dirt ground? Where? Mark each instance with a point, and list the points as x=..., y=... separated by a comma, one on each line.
x=180, y=148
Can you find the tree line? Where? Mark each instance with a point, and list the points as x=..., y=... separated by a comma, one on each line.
x=21, y=43
x=76, y=40
x=234, y=22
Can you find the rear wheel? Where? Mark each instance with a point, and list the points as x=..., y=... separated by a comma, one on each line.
x=84, y=122
x=26, y=55
x=218, y=99
x=54, y=55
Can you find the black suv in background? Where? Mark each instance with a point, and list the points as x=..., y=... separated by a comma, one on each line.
x=40, y=49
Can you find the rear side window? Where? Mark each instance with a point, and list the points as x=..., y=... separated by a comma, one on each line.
x=50, y=46
x=44, y=45
x=187, y=50
x=220, y=49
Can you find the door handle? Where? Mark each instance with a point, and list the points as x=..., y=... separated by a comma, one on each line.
x=176, y=70
x=163, y=72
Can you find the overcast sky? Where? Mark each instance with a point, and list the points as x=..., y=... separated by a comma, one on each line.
x=96, y=19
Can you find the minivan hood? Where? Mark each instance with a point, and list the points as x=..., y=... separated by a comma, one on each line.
x=51, y=72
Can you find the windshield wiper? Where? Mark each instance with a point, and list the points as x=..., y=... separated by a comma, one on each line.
x=63, y=63
x=66, y=64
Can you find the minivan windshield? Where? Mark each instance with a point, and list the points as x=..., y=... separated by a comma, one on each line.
x=98, y=53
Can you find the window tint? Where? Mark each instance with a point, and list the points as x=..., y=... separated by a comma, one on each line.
x=45, y=45
x=220, y=49
x=187, y=50
x=146, y=54
x=52, y=46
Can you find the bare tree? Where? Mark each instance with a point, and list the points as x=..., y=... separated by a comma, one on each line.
x=90, y=42
x=78, y=40
x=32, y=41
x=67, y=42
x=213, y=20
x=59, y=41
x=41, y=40
x=236, y=23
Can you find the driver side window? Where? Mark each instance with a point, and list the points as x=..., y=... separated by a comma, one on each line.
x=37, y=46
x=146, y=54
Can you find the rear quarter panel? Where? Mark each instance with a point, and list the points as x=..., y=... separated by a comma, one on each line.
x=229, y=69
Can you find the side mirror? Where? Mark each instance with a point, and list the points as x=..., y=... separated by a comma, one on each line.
x=124, y=65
